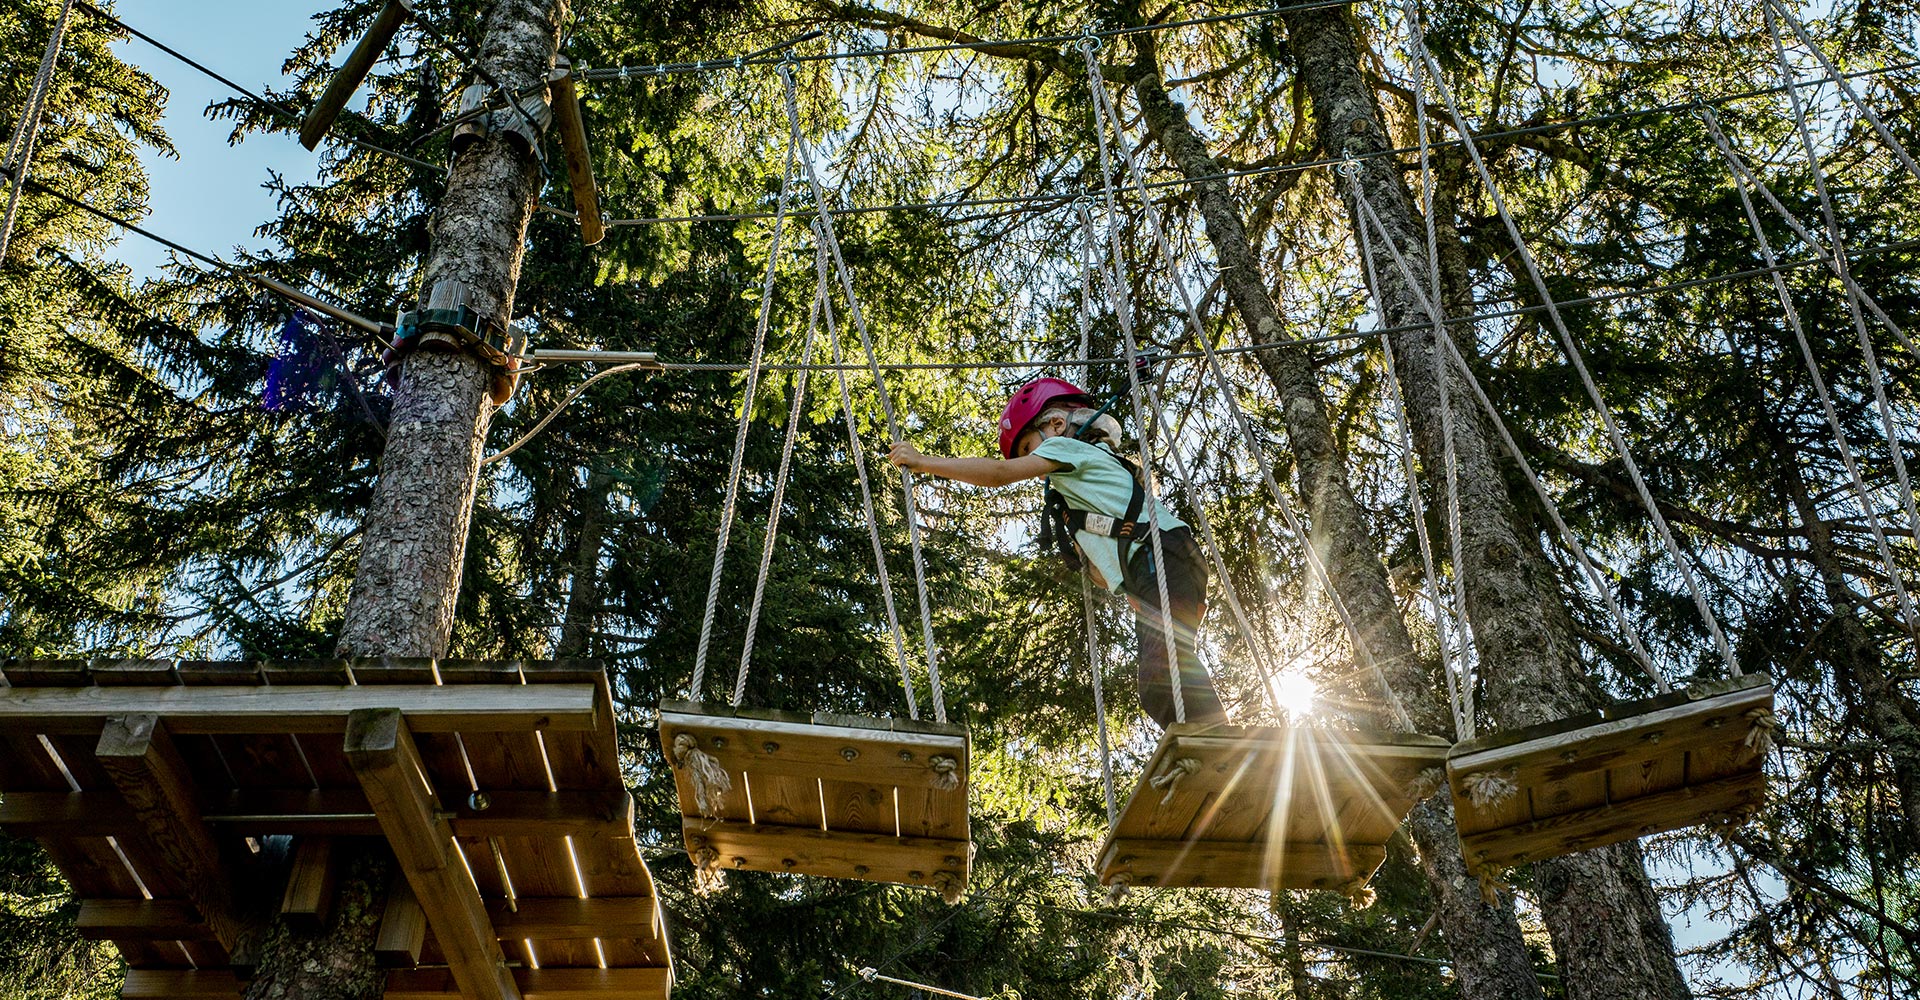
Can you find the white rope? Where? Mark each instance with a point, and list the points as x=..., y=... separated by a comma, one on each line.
x=1094, y=665
x=1838, y=246
x=740, y=433
x=1833, y=73
x=1436, y=311
x=857, y=449
x=1567, y=343
x=19, y=160
x=1316, y=567
x=870, y=974
x=825, y=220
x=794, y=411
x=1256, y=649
x=1567, y=537
x=1868, y=508
x=544, y=421
x=1124, y=315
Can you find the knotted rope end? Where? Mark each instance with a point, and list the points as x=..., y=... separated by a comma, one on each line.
x=1488, y=789
x=710, y=781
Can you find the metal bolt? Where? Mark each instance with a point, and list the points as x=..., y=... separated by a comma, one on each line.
x=1653, y=737
x=916, y=876
x=719, y=742
x=906, y=756
x=770, y=746
x=739, y=862
x=861, y=869
x=952, y=860
x=848, y=753
x=479, y=801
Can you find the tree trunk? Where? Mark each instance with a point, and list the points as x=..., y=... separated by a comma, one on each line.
x=1490, y=956
x=1600, y=909
x=583, y=596
x=416, y=528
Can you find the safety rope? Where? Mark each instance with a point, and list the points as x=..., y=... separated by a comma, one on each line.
x=557, y=407
x=857, y=448
x=1868, y=508
x=1589, y=569
x=1256, y=649
x=19, y=159
x=832, y=243
x=1094, y=665
x=1840, y=79
x=1837, y=244
x=1614, y=435
x=780, y=476
x=1315, y=564
x=1436, y=311
x=740, y=432
x=1123, y=313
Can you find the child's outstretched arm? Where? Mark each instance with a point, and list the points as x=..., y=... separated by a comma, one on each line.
x=976, y=471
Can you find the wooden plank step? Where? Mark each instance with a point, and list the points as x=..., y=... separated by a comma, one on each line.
x=1238, y=864
x=1256, y=807
x=560, y=917
x=141, y=919
x=865, y=856
x=1646, y=767
x=839, y=748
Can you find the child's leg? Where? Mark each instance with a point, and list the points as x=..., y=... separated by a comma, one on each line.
x=1186, y=574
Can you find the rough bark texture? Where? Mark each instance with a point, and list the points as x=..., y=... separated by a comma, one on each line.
x=1600, y=909
x=416, y=528
x=583, y=597
x=1489, y=954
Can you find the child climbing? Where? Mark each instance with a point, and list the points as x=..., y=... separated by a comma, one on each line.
x=1051, y=428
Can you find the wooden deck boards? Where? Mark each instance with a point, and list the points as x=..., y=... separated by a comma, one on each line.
x=833, y=796
x=1265, y=807
x=263, y=745
x=1637, y=769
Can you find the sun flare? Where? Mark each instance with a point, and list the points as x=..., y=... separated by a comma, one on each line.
x=1295, y=694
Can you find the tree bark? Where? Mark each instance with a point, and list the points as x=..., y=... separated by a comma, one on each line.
x=1490, y=956
x=408, y=577
x=1599, y=907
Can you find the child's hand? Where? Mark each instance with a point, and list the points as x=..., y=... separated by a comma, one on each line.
x=905, y=455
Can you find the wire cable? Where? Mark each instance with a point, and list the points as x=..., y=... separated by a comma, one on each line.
x=19, y=158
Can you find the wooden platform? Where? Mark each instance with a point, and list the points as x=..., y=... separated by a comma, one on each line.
x=1266, y=808
x=1635, y=769
x=830, y=795
x=173, y=794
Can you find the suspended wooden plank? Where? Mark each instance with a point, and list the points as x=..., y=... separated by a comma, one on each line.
x=829, y=795
x=1634, y=769
x=1266, y=807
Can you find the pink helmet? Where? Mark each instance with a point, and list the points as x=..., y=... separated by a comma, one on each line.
x=1028, y=402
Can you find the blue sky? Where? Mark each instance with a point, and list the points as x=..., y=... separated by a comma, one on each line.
x=211, y=197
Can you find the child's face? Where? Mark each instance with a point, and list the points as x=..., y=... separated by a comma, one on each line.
x=1038, y=433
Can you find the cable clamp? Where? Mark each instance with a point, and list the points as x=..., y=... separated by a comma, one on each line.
x=450, y=323
x=1089, y=42
x=1349, y=168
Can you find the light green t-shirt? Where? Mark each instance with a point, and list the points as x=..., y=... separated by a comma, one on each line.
x=1096, y=481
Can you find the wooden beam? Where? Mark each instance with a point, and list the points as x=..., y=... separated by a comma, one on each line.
x=573, y=141
x=1239, y=864
x=141, y=920
x=384, y=757
x=180, y=984
x=812, y=750
x=830, y=854
x=309, y=895
x=138, y=755
x=541, y=984
x=403, y=927
x=301, y=709
x=556, y=918
x=333, y=812
x=347, y=80
x=1612, y=823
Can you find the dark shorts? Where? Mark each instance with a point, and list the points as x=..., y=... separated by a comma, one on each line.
x=1186, y=576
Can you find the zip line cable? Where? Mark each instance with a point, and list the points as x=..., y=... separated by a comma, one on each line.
x=278, y=109
x=19, y=157
x=1650, y=291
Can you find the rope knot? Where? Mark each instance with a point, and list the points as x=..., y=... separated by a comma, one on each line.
x=1170, y=776
x=1359, y=894
x=952, y=887
x=1488, y=789
x=1761, y=725
x=1427, y=782
x=946, y=772
x=710, y=781
x=1117, y=887
x=708, y=878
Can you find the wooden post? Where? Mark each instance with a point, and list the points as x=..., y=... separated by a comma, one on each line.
x=388, y=764
x=136, y=752
x=573, y=140
x=309, y=894
x=340, y=89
